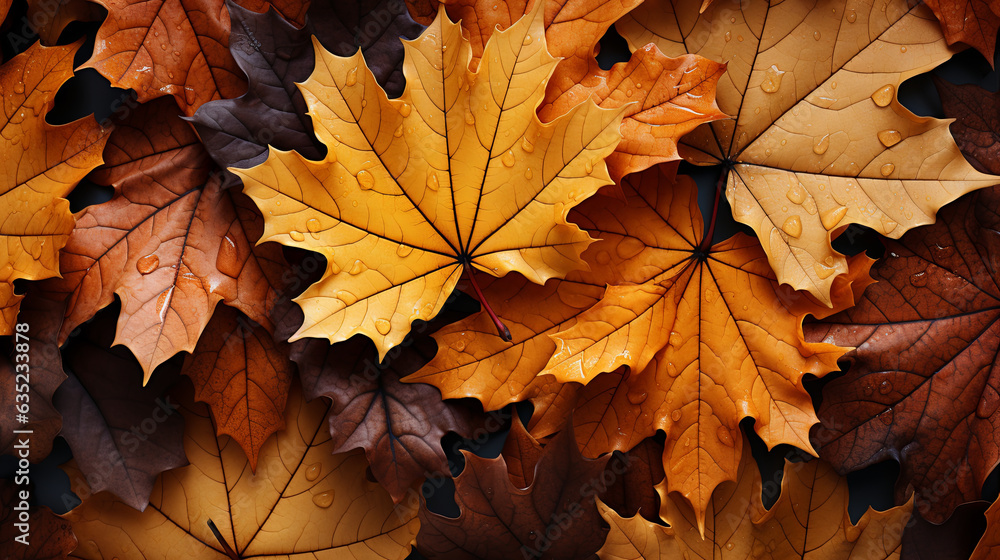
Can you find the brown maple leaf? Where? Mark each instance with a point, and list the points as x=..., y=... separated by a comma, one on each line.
x=818, y=139
x=973, y=22
x=334, y=511
x=669, y=97
x=243, y=374
x=553, y=516
x=416, y=190
x=809, y=521
x=923, y=387
x=171, y=243
x=50, y=17
x=42, y=164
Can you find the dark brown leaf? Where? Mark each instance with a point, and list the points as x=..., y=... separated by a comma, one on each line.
x=46, y=535
x=977, y=122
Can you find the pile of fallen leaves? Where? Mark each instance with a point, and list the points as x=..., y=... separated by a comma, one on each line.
x=408, y=237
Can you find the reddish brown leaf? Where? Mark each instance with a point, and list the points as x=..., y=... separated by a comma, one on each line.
x=41, y=373
x=977, y=122
x=244, y=376
x=171, y=243
x=636, y=475
x=555, y=517
x=924, y=384
x=400, y=425
x=50, y=17
x=46, y=536
x=973, y=22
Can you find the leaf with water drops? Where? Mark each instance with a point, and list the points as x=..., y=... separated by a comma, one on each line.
x=809, y=521
x=924, y=383
x=818, y=139
x=458, y=174
x=304, y=502
x=42, y=163
x=708, y=335
x=171, y=243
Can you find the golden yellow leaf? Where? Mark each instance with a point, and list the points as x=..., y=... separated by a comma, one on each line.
x=818, y=140
x=457, y=174
x=809, y=521
x=303, y=502
x=42, y=163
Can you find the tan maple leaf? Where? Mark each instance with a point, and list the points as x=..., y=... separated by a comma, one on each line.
x=457, y=174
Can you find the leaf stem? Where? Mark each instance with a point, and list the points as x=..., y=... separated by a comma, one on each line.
x=225, y=546
x=706, y=242
x=502, y=329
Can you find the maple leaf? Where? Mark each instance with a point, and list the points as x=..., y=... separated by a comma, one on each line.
x=923, y=387
x=399, y=425
x=275, y=55
x=554, y=516
x=40, y=374
x=977, y=122
x=300, y=486
x=50, y=17
x=818, y=139
x=171, y=243
x=43, y=163
x=708, y=335
x=123, y=434
x=808, y=521
x=632, y=493
x=243, y=375
x=48, y=536
x=457, y=174
x=973, y=22
x=669, y=96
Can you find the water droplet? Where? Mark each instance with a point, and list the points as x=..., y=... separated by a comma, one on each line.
x=603, y=257
x=796, y=194
x=672, y=369
x=161, y=302
x=821, y=144
x=675, y=339
x=732, y=20
x=822, y=270
x=943, y=252
x=833, y=216
x=177, y=53
x=919, y=279
x=432, y=181
x=527, y=40
x=817, y=35
x=507, y=159
x=883, y=96
x=458, y=346
x=352, y=76
x=989, y=403
x=675, y=415
x=148, y=264
x=382, y=326
x=710, y=295
x=792, y=226
x=398, y=132
x=324, y=499
x=886, y=417
x=868, y=390
x=403, y=251
x=296, y=236
x=739, y=38
x=527, y=146
x=365, y=180
x=852, y=16
x=902, y=49
x=19, y=87
x=888, y=224
x=629, y=247
x=885, y=387
x=887, y=169
x=528, y=174
x=756, y=111
x=730, y=545
x=588, y=166
x=636, y=398
x=889, y=138
x=470, y=119
x=404, y=110
x=163, y=46
x=724, y=436
x=358, y=268
x=772, y=79
x=728, y=36
x=312, y=472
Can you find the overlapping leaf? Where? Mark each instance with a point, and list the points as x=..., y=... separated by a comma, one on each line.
x=553, y=516
x=171, y=243
x=50, y=17
x=42, y=164
x=989, y=544
x=303, y=502
x=977, y=122
x=123, y=434
x=244, y=376
x=458, y=173
x=818, y=140
x=973, y=22
x=46, y=536
x=924, y=386
x=669, y=96
x=809, y=521
x=399, y=425
x=708, y=335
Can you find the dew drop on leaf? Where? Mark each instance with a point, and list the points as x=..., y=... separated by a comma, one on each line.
x=148, y=264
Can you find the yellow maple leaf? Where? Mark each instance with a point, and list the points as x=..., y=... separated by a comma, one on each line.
x=457, y=174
